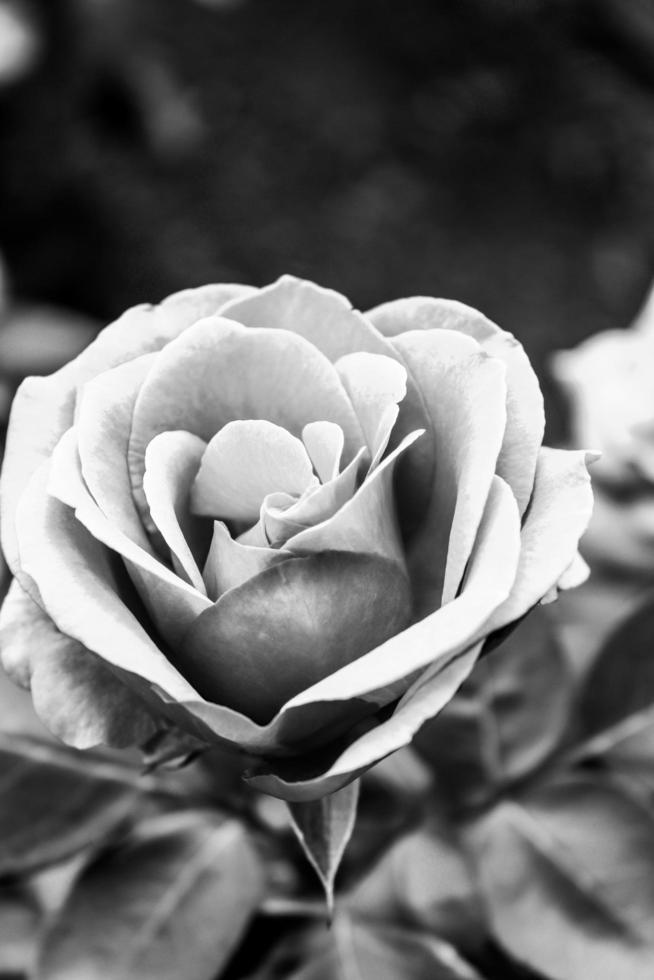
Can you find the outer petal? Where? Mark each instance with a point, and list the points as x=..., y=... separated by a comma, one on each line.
x=44, y=407
x=464, y=395
x=171, y=464
x=74, y=694
x=525, y=413
x=172, y=602
x=449, y=630
x=279, y=633
x=557, y=517
x=323, y=317
x=377, y=743
x=103, y=424
x=219, y=371
x=80, y=592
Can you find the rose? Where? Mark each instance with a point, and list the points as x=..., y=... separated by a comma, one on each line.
x=278, y=524
x=609, y=379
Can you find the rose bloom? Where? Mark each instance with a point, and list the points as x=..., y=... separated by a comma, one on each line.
x=609, y=379
x=277, y=524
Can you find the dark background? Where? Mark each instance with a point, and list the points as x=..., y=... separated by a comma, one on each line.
x=500, y=152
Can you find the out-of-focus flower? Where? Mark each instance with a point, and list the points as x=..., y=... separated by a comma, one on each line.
x=20, y=41
x=278, y=524
x=610, y=382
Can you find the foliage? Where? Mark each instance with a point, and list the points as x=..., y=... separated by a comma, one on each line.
x=515, y=840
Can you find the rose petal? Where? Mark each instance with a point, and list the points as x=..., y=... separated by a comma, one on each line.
x=230, y=564
x=323, y=317
x=171, y=464
x=219, y=371
x=275, y=519
x=464, y=394
x=293, y=624
x=282, y=518
x=575, y=575
x=375, y=384
x=324, y=443
x=367, y=522
x=560, y=510
x=525, y=413
x=77, y=698
x=103, y=424
x=243, y=463
x=44, y=407
x=331, y=706
x=489, y=578
x=172, y=603
x=377, y=743
x=79, y=590
x=199, y=302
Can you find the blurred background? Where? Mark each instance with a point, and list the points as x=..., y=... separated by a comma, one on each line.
x=500, y=152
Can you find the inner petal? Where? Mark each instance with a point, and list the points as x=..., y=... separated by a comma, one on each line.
x=243, y=463
x=375, y=385
x=218, y=372
x=282, y=518
x=230, y=564
x=171, y=463
x=324, y=443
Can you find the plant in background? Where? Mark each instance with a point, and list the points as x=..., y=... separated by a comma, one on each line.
x=610, y=382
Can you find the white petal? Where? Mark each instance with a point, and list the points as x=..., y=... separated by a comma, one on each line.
x=230, y=563
x=367, y=522
x=525, y=414
x=103, y=424
x=218, y=372
x=79, y=592
x=171, y=464
x=559, y=514
x=452, y=628
x=75, y=695
x=44, y=407
x=324, y=443
x=282, y=516
x=243, y=463
x=464, y=395
x=380, y=741
x=172, y=603
x=375, y=385
x=323, y=317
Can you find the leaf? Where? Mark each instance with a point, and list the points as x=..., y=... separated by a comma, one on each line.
x=173, y=901
x=424, y=881
x=567, y=875
x=353, y=949
x=323, y=828
x=506, y=720
x=616, y=708
x=57, y=801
